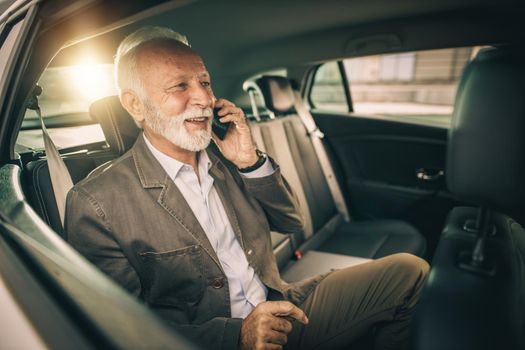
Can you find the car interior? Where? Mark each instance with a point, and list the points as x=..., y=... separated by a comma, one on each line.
x=399, y=126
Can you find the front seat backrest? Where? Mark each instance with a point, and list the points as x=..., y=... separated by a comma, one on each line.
x=118, y=126
x=486, y=149
x=475, y=293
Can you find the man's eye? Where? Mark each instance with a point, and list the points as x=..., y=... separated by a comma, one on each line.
x=206, y=83
x=177, y=87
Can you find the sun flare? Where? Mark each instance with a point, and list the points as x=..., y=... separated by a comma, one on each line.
x=92, y=81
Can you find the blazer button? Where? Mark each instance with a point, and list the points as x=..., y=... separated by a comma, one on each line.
x=250, y=252
x=217, y=283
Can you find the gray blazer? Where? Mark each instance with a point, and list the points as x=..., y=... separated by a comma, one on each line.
x=130, y=220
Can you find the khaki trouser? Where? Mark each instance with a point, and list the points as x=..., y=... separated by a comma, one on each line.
x=350, y=302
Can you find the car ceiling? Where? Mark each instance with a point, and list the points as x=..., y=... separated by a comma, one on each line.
x=241, y=38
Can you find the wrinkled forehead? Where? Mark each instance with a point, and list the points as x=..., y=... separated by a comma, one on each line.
x=167, y=52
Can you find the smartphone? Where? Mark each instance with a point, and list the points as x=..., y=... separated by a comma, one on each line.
x=220, y=129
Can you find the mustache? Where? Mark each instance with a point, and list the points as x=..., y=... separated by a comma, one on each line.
x=196, y=113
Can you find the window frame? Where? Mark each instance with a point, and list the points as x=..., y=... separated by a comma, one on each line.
x=9, y=87
x=346, y=86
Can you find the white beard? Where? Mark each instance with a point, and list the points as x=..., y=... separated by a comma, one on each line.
x=173, y=129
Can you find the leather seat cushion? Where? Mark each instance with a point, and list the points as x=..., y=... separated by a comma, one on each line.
x=375, y=239
x=315, y=262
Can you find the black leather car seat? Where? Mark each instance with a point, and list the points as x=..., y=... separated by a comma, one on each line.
x=38, y=186
x=117, y=125
x=475, y=293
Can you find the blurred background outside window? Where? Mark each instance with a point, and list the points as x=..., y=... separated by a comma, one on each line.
x=417, y=87
x=67, y=93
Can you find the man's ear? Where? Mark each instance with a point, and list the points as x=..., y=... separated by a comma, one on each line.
x=132, y=103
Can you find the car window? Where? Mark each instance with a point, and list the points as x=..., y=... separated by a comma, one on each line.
x=415, y=87
x=328, y=91
x=67, y=93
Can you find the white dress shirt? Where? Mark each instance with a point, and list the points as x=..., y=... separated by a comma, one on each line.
x=246, y=289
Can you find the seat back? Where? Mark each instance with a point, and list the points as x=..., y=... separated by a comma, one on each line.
x=40, y=191
x=285, y=138
x=117, y=125
x=120, y=132
x=475, y=294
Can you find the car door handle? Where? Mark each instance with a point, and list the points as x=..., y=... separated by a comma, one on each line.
x=429, y=174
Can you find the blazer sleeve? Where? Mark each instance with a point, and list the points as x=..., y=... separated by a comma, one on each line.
x=277, y=200
x=89, y=232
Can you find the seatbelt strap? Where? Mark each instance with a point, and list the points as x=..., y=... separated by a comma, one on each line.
x=317, y=140
x=60, y=178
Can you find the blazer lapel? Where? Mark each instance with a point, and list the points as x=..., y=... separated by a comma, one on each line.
x=152, y=175
x=219, y=181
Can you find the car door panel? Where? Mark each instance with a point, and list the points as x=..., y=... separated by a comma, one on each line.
x=379, y=162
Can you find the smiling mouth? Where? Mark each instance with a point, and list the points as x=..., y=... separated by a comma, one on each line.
x=196, y=120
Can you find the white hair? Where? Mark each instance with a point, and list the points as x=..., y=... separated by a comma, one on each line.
x=125, y=67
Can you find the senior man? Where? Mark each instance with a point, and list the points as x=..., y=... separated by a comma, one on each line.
x=184, y=224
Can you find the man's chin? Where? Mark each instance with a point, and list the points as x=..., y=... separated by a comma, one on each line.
x=194, y=143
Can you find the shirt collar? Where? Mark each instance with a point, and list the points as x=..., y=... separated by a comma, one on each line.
x=172, y=166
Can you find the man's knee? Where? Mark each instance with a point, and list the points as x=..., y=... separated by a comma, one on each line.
x=408, y=274
x=408, y=265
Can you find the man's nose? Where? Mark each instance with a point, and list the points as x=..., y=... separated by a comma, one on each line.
x=201, y=96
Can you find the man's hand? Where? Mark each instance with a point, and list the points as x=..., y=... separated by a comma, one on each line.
x=238, y=146
x=268, y=325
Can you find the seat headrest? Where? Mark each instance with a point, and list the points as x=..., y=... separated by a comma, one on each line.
x=118, y=126
x=277, y=93
x=486, y=146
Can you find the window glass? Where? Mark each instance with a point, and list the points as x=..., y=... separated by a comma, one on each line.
x=67, y=93
x=328, y=92
x=65, y=137
x=72, y=89
x=417, y=87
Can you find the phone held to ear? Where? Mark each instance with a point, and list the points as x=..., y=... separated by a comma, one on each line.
x=220, y=129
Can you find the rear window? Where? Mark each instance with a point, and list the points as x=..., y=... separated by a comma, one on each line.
x=414, y=87
x=67, y=93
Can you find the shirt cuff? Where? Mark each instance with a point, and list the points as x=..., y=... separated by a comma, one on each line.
x=264, y=170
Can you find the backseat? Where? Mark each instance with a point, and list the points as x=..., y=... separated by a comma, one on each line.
x=327, y=242
x=327, y=236
x=119, y=135
x=40, y=191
